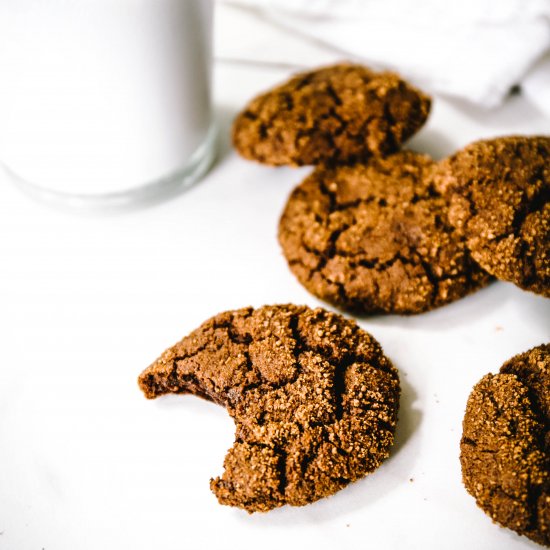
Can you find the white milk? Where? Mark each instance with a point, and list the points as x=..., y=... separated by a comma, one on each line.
x=105, y=96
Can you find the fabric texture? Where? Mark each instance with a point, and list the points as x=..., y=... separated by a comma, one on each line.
x=473, y=49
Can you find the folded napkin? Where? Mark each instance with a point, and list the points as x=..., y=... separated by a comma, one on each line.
x=473, y=49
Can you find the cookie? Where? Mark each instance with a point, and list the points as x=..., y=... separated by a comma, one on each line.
x=505, y=446
x=313, y=398
x=341, y=114
x=374, y=237
x=500, y=198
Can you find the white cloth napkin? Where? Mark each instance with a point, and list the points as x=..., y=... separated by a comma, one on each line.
x=536, y=85
x=473, y=49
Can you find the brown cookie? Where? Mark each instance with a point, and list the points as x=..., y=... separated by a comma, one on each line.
x=313, y=398
x=341, y=113
x=505, y=446
x=500, y=198
x=374, y=237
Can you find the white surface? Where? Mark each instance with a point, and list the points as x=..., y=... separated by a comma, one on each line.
x=100, y=96
x=86, y=462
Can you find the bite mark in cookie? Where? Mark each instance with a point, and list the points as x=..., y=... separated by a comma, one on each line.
x=313, y=398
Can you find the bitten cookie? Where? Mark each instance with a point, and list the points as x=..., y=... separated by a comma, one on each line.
x=374, y=237
x=500, y=198
x=313, y=398
x=505, y=446
x=341, y=113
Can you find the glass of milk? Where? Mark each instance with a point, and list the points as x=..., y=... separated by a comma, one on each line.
x=105, y=101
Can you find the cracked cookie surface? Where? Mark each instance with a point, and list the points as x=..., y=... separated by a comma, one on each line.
x=505, y=446
x=374, y=237
x=341, y=114
x=313, y=398
x=500, y=198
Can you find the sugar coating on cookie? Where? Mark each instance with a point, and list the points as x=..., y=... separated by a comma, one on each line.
x=341, y=113
x=505, y=446
x=313, y=398
x=499, y=192
x=374, y=237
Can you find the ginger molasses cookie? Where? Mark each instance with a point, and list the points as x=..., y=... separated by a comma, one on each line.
x=341, y=113
x=500, y=198
x=313, y=398
x=505, y=446
x=374, y=237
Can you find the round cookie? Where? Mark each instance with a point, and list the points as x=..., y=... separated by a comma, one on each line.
x=374, y=237
x=500, y=198
x=505, y=446
x=313, y=398
x=341, y=113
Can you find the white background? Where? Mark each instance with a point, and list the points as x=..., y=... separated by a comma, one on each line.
x=88, y=301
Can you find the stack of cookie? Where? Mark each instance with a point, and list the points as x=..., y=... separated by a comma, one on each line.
x=377, y=229
x=374, y=229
